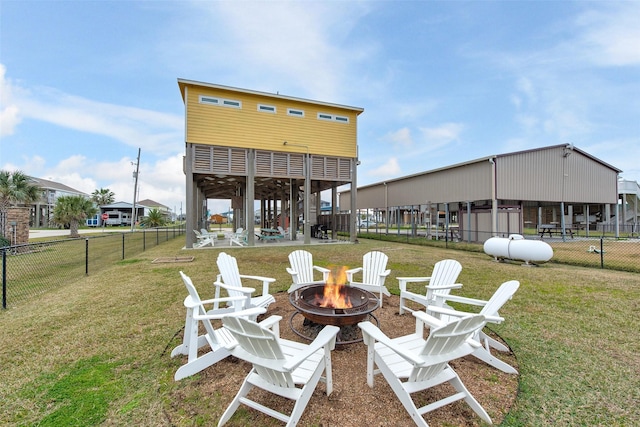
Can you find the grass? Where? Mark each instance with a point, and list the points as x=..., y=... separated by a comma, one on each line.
x=96, y=351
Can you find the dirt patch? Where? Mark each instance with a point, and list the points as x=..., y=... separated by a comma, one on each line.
x=353, y=402
x=172, y=259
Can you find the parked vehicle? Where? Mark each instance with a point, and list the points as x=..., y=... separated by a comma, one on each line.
x=118, y=218
x=367, y=223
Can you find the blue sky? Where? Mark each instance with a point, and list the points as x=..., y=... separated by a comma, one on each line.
x=84, y=84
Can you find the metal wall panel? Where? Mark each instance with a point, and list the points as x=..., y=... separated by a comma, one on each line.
x=557, y=174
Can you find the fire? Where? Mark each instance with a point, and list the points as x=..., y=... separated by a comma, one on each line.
x=334, y=295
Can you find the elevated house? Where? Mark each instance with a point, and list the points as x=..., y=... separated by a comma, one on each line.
x=559, y=188
x=256, y=147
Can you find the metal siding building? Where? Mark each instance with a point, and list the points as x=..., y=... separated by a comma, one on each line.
x=491, y=194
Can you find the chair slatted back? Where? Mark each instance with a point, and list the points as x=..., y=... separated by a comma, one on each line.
x=228, y=266
x=373, y=263
x=262, y=344
x=500, y=297
x=444, y=273
x=302, y=262
x=442, y=345
x=195, y=299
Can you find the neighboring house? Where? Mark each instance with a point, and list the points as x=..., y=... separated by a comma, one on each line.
x=42, y=210
x=149, y=204
x=558, y=185
x=120, y=213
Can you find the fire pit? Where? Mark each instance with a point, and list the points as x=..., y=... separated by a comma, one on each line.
x=353, y=306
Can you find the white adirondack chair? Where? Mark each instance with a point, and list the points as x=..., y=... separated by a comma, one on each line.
x=202, y=240
x=442, y=280
x=279, y=366
x=284, y=233
x=239, y=237
x=374, y=272
x=217, y=339
x=231, y=280
x=489, y=310
x=302, y=269
x=411, y=364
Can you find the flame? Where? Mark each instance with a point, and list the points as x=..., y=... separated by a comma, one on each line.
x=334, y=295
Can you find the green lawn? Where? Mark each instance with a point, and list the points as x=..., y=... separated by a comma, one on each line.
x=96, y=351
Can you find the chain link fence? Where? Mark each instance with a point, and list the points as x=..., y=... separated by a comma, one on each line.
x=34, y=268
x=596, y=252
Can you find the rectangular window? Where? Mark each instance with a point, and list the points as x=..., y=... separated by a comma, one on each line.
x=266, y=108
x=220, y=101
x=209, y=100
x=294, y=112
x=332, y=118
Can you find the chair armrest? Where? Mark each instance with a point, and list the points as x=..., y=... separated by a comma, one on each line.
x=351, y=272
x=266, y=281
x=326, y=337
x=439, y=287
x=373, y=334
x=243, y=289
x=463, y=300
x=456, y=313
x=385, y=273
x=272, y=322
x=402, y=281
x=325, y=272
x=254, y=311
x=426, y=319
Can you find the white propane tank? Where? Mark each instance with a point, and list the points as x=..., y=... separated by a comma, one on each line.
x=516, y=247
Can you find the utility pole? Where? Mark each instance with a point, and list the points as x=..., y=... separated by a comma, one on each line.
x=135, y=191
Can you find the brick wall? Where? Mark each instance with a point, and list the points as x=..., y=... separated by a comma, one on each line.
x=19, y=217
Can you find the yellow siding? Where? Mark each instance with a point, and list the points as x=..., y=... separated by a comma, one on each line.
x=249, y=128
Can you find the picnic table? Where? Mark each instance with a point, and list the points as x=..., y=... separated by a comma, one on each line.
x=270, y=234
x=551, y=229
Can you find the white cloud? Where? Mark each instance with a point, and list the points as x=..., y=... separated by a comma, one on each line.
x=400, y=137
x=390, y=169
x=441, y=135
x=301, y=46
x=609, y=35
x=135, y=127
x=9, y=112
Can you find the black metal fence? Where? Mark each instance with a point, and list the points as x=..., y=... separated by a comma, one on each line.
x=596, y=252
x=33, y=268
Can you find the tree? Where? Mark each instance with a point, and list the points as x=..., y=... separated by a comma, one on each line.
x=71, y=210
x=17, y=188
x=155, y=218
x=103, y=196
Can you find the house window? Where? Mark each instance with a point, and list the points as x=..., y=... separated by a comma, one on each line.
x=211, y=100
x=332, y=118
x=294, y=112
x=266, y=108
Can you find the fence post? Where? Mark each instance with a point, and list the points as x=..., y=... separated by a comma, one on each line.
x=144, y=240
x=601, y=252
x=157, y=236
x=123, y=246
x=86, y=256
x=4, y=278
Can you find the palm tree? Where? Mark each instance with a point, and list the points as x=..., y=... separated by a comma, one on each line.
x=17, y=188
x=155, y=218
x=71, y=210
x=103, y=196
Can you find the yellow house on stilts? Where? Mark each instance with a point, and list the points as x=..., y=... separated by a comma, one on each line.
x=282, y=151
